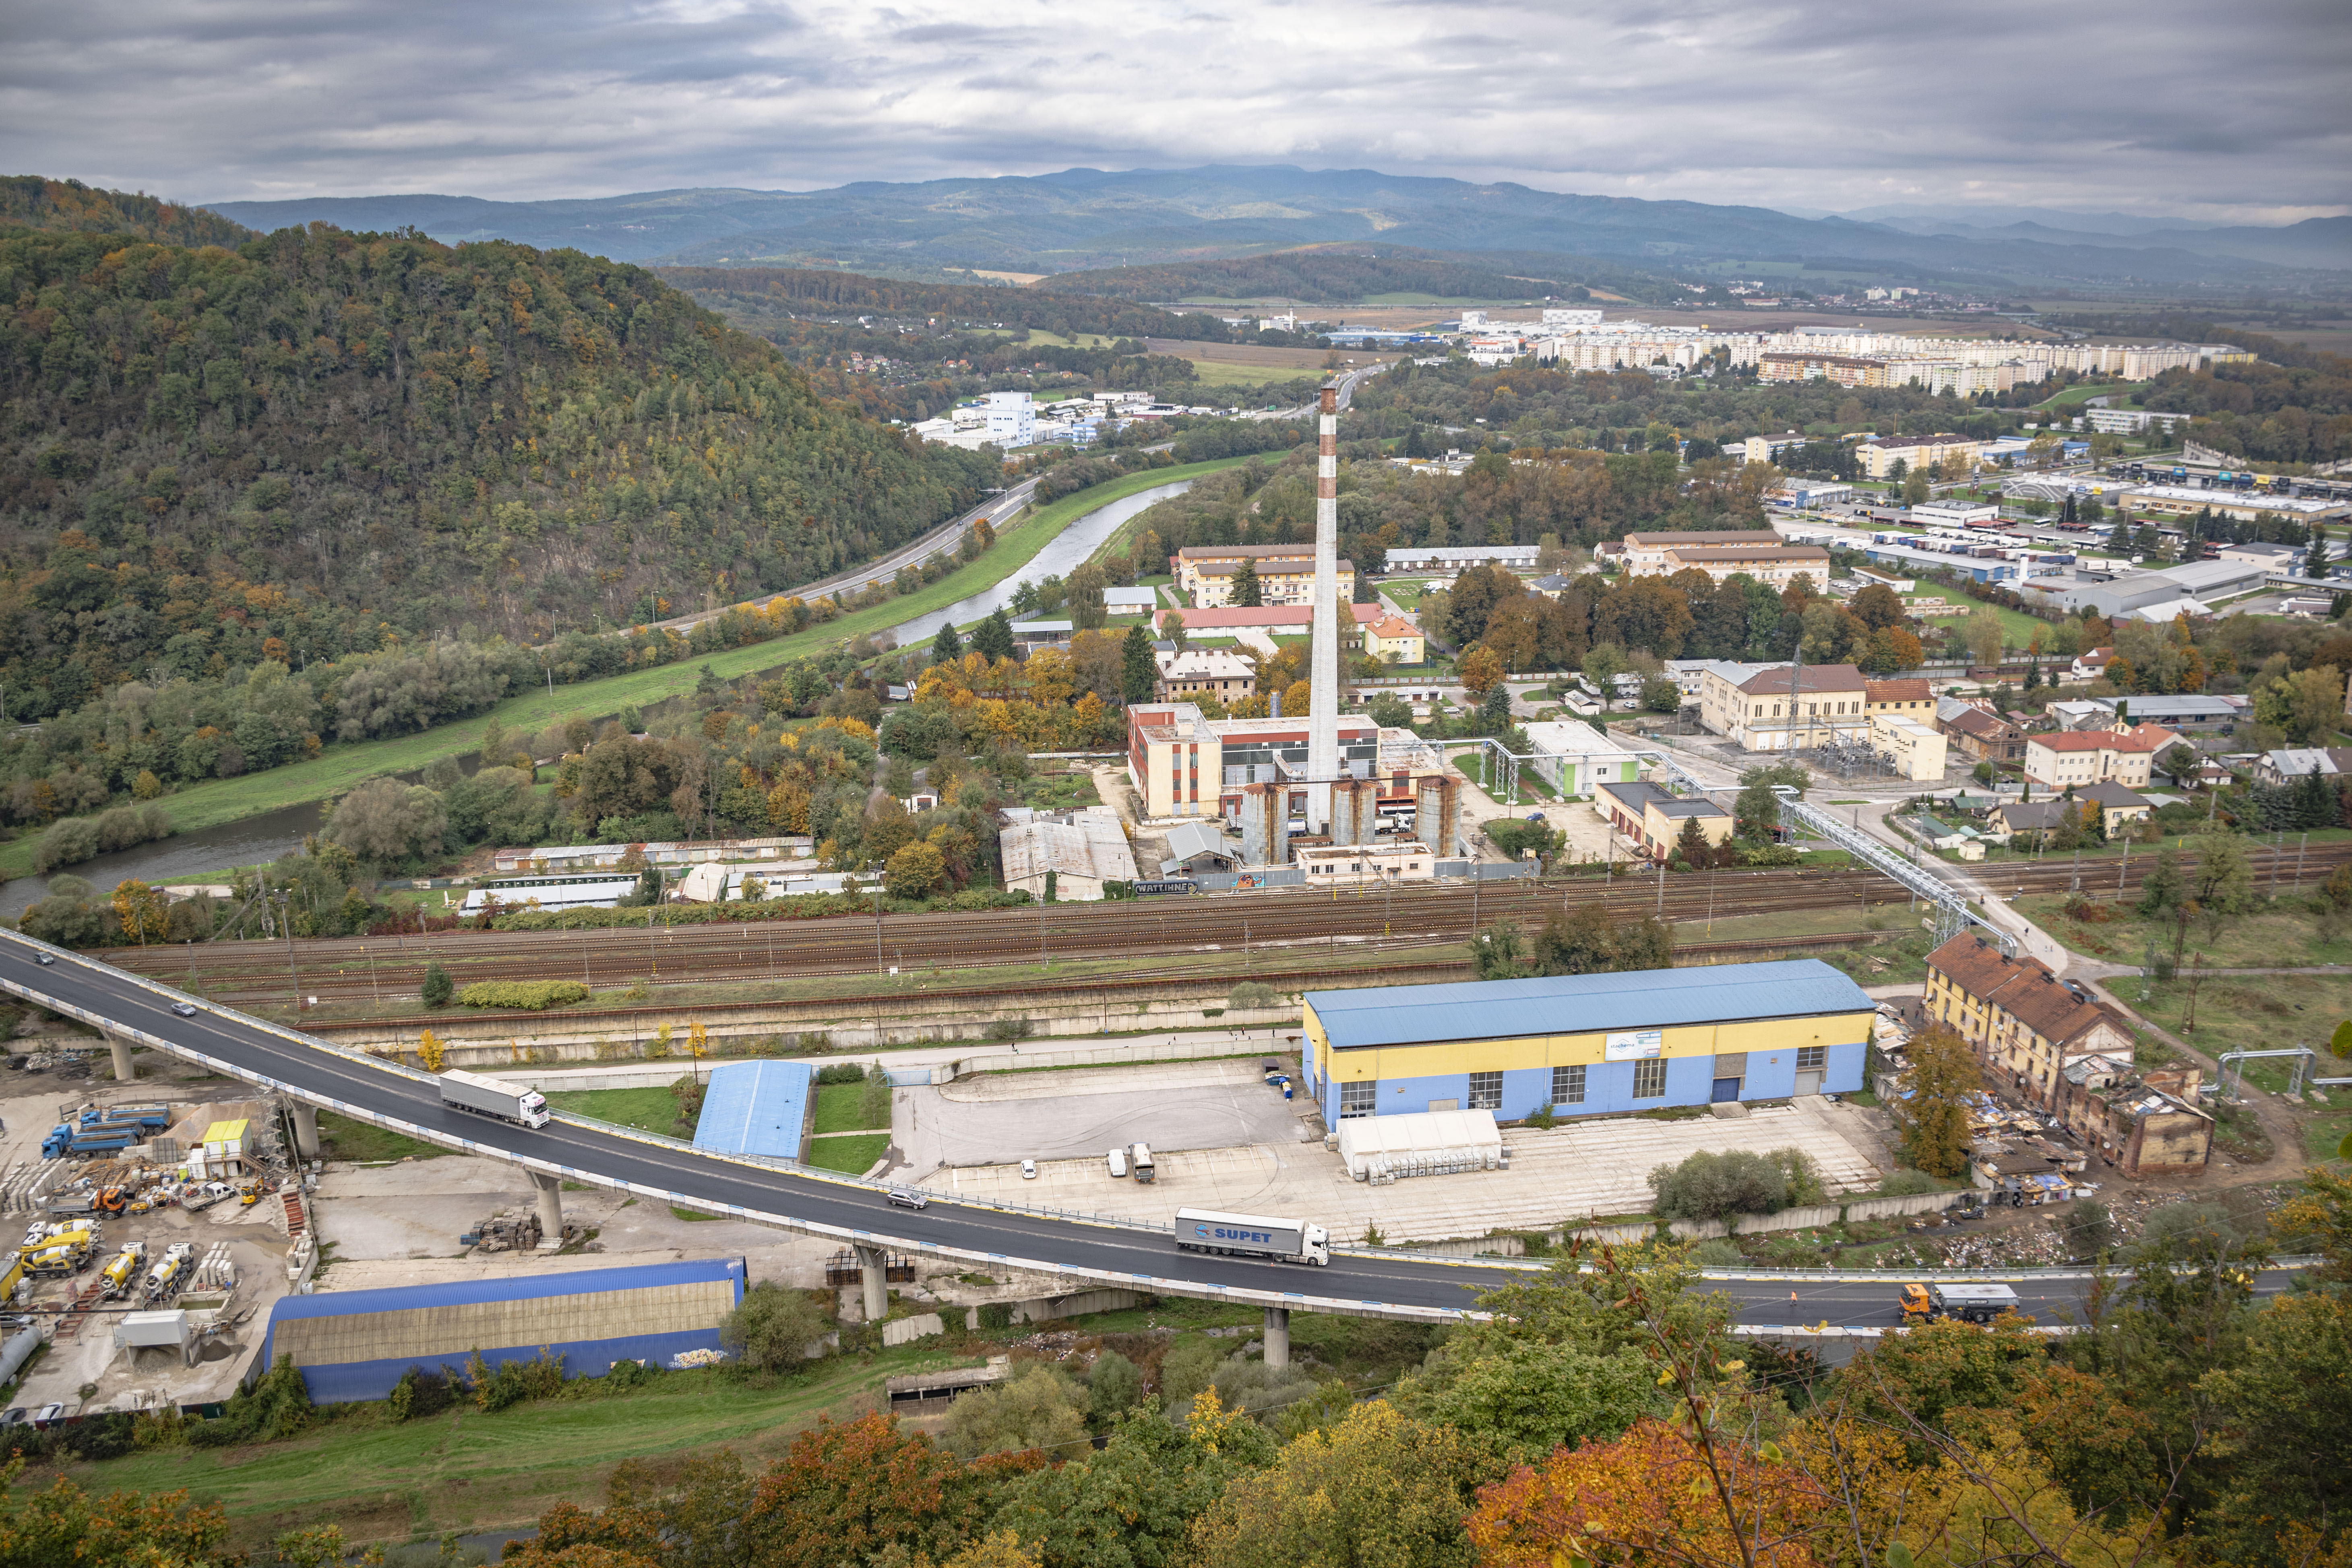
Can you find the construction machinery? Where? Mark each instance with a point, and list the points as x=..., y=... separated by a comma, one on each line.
x=1971, y=1303
x=248, y=1194
x=59, y=1258
x=177, y=1259
x=120, y=1273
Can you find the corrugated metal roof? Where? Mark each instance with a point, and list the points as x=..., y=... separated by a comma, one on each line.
x=505, y=1288
x=1584, y=1004
x=755, y=1107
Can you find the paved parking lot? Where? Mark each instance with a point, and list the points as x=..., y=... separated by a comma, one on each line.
x=1080, y=1114
x=1571, y=1173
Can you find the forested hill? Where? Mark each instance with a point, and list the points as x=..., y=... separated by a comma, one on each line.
x=806, y=290
x=322, y=440
x=1318, y=275
x=29, y=200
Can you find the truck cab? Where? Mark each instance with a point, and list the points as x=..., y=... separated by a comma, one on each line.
x=1314, y=1246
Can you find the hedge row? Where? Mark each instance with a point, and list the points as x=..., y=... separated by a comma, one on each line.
x=802, y=907
x=535, y=995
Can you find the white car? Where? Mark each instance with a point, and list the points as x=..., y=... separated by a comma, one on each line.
x=1028, y=1170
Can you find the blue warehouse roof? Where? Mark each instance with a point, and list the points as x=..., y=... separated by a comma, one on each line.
x=755, y=1107
x=1584, y=1004
x=505, y=1288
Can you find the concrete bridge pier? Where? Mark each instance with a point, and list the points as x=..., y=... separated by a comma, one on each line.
x=305, y=1129
x=1277, y=1336
x=873, y=1275
x=121, y=1048
x=550, y=1208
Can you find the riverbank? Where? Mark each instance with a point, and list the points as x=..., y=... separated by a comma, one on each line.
x=341, y=768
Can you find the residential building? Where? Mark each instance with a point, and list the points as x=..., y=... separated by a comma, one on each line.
x=1082, y=853
x=2144, y=1123
x=1914, y=699
x=1773, y=568
x=1197, y=672
x=1981, y=734
x=1587, y=1044
x=2078, y=757
x=2027, y=1024
x=1654, y=819
x=1286, y=573
x=1577, y=759
x=2289, y=763
x=1778, y=707
x=1768, y=449
x=1130, y=601
x=2090, y=666
x=2117, y=805
x=2044, y=815
x=2081, y=714
x=1651, y=553
x=1393, y=639
x=2132, y=421
x=1916, y=750
x=1273, y=620
x=1878, y=458
x=1450, y=560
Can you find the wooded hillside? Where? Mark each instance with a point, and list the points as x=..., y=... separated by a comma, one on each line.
x=29, y=200
x=334, y=440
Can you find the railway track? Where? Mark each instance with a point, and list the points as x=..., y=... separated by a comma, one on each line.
x=1206, y=930
x=1210, y=929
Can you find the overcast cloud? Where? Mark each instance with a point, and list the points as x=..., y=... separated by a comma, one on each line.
x=2233, y=112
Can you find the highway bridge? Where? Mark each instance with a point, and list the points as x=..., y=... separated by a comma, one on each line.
x=130, y=1010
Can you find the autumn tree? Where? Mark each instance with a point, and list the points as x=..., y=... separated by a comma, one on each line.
x=1589, y=941
x=1481, y=670
x=1941, y=1071
x=141, y=909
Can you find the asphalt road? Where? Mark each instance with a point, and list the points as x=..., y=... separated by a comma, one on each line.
x=115, y=996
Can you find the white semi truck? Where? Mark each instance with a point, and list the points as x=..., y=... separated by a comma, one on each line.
x=1253, y=1236
x=488, y=1096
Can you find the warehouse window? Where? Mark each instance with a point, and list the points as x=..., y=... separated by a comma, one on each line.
x=1812, y=1059
x=1568, y=1086
x=1650, y=1079
x=1358, y=1098
x=1485, y=1091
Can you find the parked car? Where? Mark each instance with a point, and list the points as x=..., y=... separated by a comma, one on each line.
x=48, y=1412
x=1028, y=1170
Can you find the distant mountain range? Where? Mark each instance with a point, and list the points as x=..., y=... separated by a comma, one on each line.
x=1086, y=218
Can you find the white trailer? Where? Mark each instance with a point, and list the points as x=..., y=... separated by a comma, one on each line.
x=1253, y=1236
x=482, y=1096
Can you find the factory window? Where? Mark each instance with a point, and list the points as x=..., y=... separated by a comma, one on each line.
x=1650, y=1079
x=1812, y=1059
x=1568, y=1086
x=1358, y=1098
x=1485, y=1091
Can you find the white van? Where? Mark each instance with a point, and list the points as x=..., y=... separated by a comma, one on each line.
x=1119, y=1164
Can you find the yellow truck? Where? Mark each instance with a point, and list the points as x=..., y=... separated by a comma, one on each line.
x=120, y=1273
x=59, y=1258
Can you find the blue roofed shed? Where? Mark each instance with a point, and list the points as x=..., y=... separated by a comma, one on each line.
x=354, y=1344
x=757, y=1108
x=1588, y=1043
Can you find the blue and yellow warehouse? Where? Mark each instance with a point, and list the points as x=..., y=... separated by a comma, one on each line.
x=1588, y=1044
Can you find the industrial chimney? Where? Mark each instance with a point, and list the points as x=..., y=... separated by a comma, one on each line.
x=1323, y=671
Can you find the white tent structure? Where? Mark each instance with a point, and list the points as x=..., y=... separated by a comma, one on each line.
x=1383, y=1149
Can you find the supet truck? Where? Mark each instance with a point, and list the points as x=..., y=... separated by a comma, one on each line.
x=1971, y=1303
x=488, y=1096
x=1253, y=1236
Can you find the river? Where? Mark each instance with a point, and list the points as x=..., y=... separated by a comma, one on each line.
x=253, y=840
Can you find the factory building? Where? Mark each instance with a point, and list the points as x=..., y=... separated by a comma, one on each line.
x=1587, y=1045
x=354, y=1344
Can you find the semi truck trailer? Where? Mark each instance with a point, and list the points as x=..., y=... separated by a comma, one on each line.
x=1253, y=1236
x=1971, y=1303
x=463, y=1090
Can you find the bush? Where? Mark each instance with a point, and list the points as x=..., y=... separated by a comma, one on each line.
x=278, y=1405
x=533, y=996
x=874, y=1100
x=770, y=1328
x=540, y=1377
x=1042, y=1408
x=1718, y=1254
x=1251, y=993
x=438, y=987
x=1907, y=1184
x=1717, y=1186
x=996, y=1315
x=421, y=1392
x=1544, y=1117
x=1114, y=1387
x=841, y=1072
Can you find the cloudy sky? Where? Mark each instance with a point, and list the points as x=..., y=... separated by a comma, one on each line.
x=2175, y=107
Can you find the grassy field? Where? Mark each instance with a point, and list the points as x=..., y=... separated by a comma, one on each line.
x=344, y=1139
x=646, y=1110
x=837, y=1111
x=851, y=1153
x=342, y=768
x=1224, y=373
x=2074, y=396
x=2016, y=626
x=2254, y=1013
x=464, y=1470
x=2285, y=938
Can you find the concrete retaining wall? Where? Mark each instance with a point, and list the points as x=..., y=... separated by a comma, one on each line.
x=1886, y=1208
x=906, y=1330
x=1045, y=1308
x=1633, y=1232
x=1787, y=1219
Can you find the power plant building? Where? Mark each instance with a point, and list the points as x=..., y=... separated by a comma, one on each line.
x=1588, y=1044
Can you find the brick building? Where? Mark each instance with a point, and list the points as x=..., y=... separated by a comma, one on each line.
x=2027, y=1024
x=2142, y=1124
